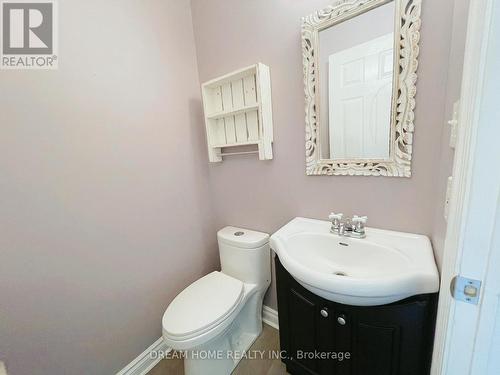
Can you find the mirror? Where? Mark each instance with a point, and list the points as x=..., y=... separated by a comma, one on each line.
x=360, y=62
x=356, y=79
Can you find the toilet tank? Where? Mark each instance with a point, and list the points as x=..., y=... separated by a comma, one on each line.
x=245, y=255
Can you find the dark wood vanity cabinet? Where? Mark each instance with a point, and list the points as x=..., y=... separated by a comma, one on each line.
x=320, y=337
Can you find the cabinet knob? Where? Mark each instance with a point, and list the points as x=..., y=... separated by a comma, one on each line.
x=324, y=312
x=341, y=319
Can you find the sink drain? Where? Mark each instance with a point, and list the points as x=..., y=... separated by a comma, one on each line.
x=340, y=273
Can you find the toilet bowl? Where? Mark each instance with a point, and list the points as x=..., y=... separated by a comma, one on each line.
x=218, y=317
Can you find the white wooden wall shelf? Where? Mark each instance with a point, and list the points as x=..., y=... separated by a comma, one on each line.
x=238, y=112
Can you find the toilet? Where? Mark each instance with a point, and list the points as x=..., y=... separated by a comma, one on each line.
x=217, y=318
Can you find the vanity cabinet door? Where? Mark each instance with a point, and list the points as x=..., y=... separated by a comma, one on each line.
x=302, y=322
x=392, y=339
x=342, y=339
x=305, y=327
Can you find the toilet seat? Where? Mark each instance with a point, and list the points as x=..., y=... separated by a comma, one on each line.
x=202, y=305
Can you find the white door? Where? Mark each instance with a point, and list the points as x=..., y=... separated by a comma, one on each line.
x=360, y=92
x=468, y=335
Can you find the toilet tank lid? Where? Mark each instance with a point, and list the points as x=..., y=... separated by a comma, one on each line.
x=244, y=238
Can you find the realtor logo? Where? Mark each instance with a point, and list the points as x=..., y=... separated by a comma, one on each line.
x=28, y=34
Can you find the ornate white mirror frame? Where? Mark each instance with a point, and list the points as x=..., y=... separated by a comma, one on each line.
x=406, y=34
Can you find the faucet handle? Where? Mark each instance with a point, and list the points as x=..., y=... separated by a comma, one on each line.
x=359, y=219
x=359, y=226
x=333, y=216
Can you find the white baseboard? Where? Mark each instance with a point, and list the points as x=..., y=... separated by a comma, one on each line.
x=270, y=317
x=145, y=362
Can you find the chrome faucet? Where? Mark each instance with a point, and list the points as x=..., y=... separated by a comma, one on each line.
x=354, y=227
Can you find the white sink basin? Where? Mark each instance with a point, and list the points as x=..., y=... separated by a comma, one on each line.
x=382, y=268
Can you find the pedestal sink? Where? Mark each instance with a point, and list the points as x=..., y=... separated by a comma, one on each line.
x=384, y=267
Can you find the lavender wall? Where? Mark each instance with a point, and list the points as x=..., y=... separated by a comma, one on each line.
x=231, y=34
x=104, y=204
x=444, y=169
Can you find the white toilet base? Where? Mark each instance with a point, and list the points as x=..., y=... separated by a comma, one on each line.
x=222, y=354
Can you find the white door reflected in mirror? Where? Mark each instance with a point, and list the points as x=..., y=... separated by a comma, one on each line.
x=356, y=86
x=360, y=93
